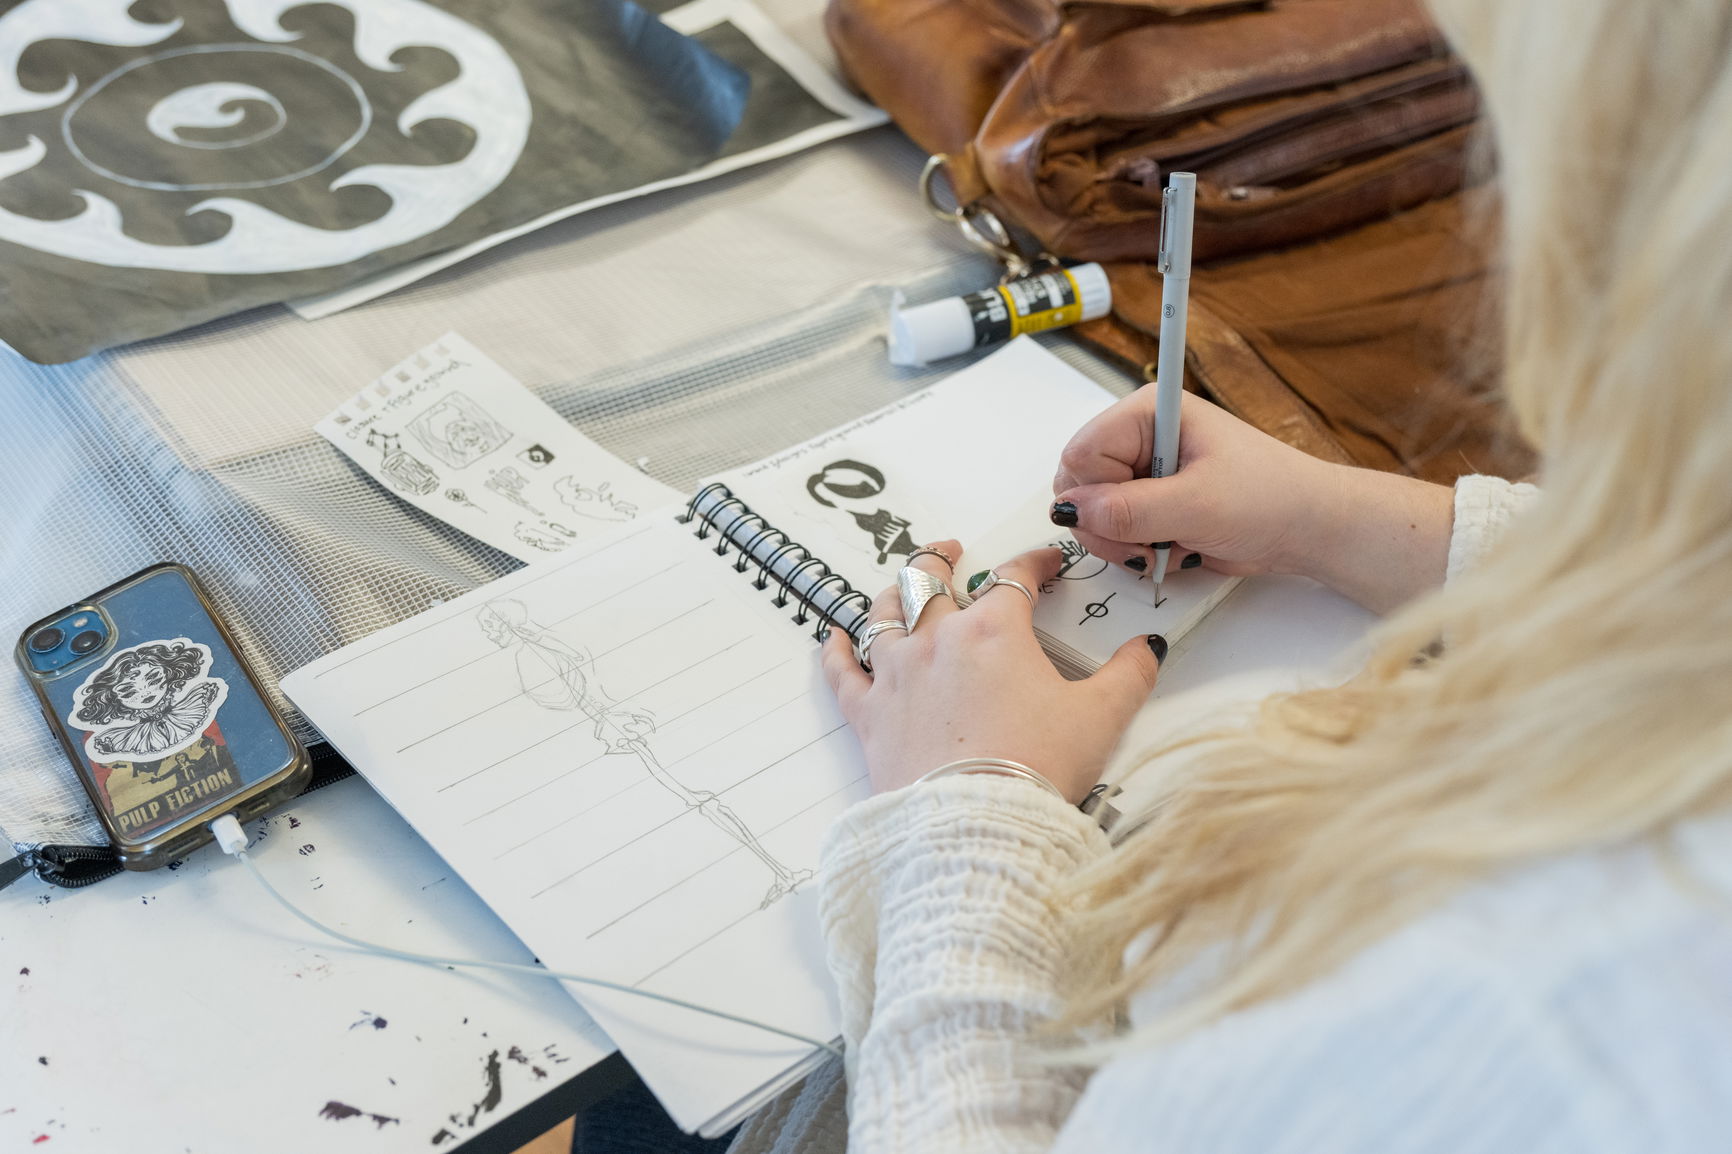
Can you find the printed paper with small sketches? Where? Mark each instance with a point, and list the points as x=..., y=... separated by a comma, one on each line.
x=939, y=463
x=452, y=433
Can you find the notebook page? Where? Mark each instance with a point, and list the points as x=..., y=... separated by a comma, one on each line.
x=944, y=462
x=628, y=753
x=1091, y=607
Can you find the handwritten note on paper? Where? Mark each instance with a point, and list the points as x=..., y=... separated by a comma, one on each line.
x=452, y=433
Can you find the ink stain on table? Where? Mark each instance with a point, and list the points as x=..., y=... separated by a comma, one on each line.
x=495, y=1091
x=25, y=971
x=43, y=1061
x=306, y=849
x=368, y=1018
x=341, y=1111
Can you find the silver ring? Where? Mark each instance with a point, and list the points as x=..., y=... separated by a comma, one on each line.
x=918, y=588
x=992, y=579
x=863, y=647
x=930, y=551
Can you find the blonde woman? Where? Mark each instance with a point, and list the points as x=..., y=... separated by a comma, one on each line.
x=1477, y=898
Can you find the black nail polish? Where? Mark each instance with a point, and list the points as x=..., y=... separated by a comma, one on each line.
x=1191, y=561
x=1064, y=513
x=1139, y=564
x=1158, y=646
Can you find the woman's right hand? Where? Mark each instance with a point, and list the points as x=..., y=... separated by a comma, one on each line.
x=1241, y=499
x=1243, y=502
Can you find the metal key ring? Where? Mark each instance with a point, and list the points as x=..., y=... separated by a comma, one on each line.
x=949, y=215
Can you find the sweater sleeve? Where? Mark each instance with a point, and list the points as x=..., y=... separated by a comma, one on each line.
x=1484, y=507
x=947, y=951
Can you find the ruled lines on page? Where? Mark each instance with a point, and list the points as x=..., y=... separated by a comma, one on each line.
x=629, y=754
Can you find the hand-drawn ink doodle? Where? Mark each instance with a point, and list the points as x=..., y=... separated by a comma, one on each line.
x=509, y=483
x=1097, y=609
x=598, y=504
x=539, y=536
x=536, y=455
x=148, y=701
x=410, y=474
x=1077, y=563
x=458, y=431
x=459, y=497
x=556, y=675
x=852, y=487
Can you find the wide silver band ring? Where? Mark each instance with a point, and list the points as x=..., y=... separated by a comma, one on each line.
x=993, y=579
x=918, y=588
x=863, y=647
x=929, y=551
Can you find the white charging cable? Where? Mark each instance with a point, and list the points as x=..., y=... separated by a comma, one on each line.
x=232, y=840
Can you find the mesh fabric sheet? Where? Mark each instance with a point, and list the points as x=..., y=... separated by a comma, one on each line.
x=696, y=330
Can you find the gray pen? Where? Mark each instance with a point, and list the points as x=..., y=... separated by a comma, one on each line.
x=1178, y=212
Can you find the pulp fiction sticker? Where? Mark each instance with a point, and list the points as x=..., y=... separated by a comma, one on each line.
x=154, y=746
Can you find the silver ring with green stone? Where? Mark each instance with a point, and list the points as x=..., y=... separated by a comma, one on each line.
x=982, y=583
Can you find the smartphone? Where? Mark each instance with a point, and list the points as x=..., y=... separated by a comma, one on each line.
x=159, y=714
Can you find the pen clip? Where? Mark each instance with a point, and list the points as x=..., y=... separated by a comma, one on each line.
x=1164, y=258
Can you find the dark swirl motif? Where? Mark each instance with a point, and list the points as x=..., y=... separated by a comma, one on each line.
x=244, y=136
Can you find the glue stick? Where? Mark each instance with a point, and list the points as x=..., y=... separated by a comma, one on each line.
x=1050, y=300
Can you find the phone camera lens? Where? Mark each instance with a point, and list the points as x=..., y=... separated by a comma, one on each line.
x=45, y=639
x=86, y=641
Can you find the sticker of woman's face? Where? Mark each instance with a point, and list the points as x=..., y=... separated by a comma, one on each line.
x=143, y=687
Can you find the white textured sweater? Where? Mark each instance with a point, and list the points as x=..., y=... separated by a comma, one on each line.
x=1582, y=1005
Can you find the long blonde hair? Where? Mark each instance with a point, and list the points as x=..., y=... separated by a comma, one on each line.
x=1583, y=695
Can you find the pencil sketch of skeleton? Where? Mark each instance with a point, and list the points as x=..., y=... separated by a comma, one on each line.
x=556, y=675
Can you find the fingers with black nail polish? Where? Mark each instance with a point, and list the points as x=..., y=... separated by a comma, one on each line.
x=1158, y=646
x=1064, y=513
x=1139, y=564
x=1191, y=561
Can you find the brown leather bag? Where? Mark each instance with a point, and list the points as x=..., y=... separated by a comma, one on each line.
x=1329, y=138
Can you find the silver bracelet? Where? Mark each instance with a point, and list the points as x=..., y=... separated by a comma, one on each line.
x=1097, y=804
x=991, y=765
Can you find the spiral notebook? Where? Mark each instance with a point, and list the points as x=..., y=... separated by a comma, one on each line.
x=627, y=749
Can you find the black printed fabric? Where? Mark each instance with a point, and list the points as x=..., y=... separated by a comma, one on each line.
x=165, y=162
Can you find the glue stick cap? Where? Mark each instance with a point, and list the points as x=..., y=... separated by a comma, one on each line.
x=1094, y=291
x=929, y=332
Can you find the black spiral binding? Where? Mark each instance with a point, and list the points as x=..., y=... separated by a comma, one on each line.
x=749, y=534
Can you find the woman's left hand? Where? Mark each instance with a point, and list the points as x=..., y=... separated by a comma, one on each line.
x=975, y=683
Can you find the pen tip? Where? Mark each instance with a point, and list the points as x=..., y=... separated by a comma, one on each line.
x=1157, y=592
